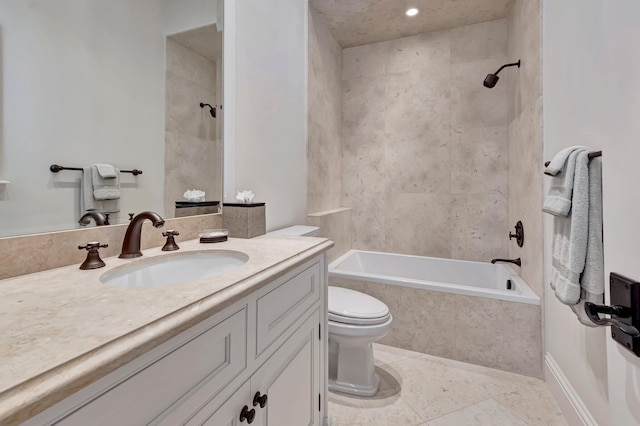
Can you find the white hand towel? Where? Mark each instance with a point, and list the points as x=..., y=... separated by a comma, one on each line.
x=106, y=171
x=562, y=168
x=105, y=189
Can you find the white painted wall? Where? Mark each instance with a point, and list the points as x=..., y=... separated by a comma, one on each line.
x=80, y=83
x=271, y=107
x=591, y=81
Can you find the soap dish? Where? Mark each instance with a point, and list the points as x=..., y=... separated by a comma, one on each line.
x=214, y=236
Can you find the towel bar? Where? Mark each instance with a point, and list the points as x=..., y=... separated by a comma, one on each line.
x=591, y=155
x=56, y=168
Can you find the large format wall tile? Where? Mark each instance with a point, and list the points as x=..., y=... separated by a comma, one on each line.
x=183, y=113
x=335, y=225
x=480, y=41
x=443, y=134
x=368, y=220
x=490, y=332
x=418, y=163
x=472, y=104
x=190, y=163
x=478, y=226
x=324, y=140
x=419, y=224
x=479, y=160
x=364, y=165
x=525, y=138
x=191, y=66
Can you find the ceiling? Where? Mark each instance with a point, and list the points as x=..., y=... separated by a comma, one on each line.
x=358, y=22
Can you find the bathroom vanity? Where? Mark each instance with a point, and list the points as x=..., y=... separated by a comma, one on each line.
x=247, y=345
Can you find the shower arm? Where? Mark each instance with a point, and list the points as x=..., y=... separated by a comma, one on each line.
x=507, y=65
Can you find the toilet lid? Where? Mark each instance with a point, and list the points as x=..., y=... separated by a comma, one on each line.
x=352, y=307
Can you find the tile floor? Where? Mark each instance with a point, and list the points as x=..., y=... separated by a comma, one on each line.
x=423, y=390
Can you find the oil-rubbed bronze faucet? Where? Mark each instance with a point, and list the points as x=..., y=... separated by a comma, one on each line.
x=131, y=243
x=100, y=218
x=514, y=261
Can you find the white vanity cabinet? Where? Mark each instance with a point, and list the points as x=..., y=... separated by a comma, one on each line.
x=290, y=379
x=272, y=341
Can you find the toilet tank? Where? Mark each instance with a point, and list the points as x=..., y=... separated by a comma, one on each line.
x=299, y=230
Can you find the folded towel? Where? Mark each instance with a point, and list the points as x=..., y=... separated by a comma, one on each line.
x=105, y=189
x=108, y=195
x=562, y=168
x=577, y=262
x=106, y=171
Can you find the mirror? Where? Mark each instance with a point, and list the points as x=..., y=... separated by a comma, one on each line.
x=108, y=82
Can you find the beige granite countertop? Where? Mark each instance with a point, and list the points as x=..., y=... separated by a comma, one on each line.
x=63, y=329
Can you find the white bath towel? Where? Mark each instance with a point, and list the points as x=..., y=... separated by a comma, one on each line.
x=105, y=188
x=577, y=268
x=562, y=168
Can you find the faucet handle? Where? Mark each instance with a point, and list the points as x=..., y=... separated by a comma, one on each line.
x=93, y=245
x=170, y=245
x=93, y=260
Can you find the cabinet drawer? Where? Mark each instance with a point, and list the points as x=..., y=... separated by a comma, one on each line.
x=213, y=357
x=278, y=309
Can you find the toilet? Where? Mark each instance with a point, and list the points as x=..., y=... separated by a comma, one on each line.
x=356, y=321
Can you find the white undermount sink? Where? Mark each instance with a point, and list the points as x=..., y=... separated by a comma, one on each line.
x=173, y=268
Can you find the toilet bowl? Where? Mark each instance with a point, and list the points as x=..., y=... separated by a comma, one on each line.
x=356, y=320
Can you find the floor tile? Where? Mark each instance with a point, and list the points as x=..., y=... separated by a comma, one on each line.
x=424, y=390
x=385, y=408
x=486, y=413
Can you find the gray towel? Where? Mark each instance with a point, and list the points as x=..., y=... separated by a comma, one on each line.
x=577, y=264
x=105, y=188
x=562, y=168
x=88, y=202
x=592, y=279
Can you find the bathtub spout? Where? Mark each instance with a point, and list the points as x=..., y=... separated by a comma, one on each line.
x=516, y=261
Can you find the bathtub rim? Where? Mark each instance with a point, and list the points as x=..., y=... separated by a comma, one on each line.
x=527, y=295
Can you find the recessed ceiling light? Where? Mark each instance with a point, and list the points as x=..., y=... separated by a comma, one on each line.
x=411, y=11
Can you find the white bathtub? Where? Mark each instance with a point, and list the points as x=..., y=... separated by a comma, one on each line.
x=430, y=273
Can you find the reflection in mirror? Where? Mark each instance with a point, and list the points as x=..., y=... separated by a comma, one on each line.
x=193, y=145
x=89, y=82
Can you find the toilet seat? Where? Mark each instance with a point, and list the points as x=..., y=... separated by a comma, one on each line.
x=352, y=307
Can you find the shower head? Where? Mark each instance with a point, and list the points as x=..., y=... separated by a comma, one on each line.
x=491, y=79
x=212, y=109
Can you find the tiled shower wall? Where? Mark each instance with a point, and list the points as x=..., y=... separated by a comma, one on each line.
x=525, y=137
x=193, y=147
x=324, y=148
x=425, y=144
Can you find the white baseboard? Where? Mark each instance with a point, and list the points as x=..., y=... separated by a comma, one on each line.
x=574, y=410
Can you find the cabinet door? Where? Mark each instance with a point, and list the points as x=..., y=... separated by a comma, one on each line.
x=229, y=412
x=291, y=380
